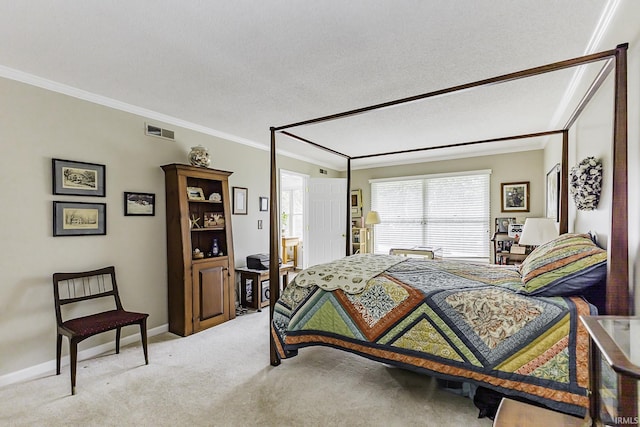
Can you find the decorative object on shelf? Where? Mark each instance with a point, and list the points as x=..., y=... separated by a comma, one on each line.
x=240, y=200
x=264, y=204
x=79, y=219
x=553, y=193
x=78, y=178
x=538, y=231
x=514, y=231
x=585, y=183
x=198, y=254
x=213, y=219
x=215, y=249
x=515, y=196
x=356, y=203
x=193, y=222
x=199, y=156
x=195, y=193
x=215, y=197
x=139, y=204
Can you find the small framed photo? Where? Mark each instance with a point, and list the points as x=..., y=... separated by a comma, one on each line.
x=264, y=204
x=515, y=196
x=79, y=219
x=195, y=193
x=240, y=200
x=502, y=224
x=73, y=178
x=139, y=204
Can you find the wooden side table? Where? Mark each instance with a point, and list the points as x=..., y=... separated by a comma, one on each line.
x=614, y=369
x=251, y=294
x=513, y=413
x=290, y=242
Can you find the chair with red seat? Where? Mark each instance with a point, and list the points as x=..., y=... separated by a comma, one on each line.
x=83, y=319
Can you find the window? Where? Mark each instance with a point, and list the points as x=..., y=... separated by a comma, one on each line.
x=292, y=203
x=449, y=211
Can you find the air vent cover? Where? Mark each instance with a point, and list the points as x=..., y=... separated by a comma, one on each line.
x=152, y=130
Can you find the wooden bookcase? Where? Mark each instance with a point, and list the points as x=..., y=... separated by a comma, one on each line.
x=201, y=289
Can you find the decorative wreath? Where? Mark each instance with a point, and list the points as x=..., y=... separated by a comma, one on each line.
x=586, y=183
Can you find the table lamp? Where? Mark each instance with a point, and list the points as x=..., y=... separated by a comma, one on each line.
x=538, y=231
x=372, y=219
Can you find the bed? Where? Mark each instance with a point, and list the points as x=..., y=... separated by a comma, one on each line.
x=512, y=330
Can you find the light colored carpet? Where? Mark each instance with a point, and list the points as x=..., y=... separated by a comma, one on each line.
x=222, y=377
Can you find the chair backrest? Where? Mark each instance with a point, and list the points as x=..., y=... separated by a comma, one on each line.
x=69, y=288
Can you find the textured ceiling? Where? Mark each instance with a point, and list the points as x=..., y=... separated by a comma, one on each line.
x=235, y=68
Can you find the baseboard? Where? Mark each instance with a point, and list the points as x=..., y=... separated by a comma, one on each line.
x=48, y=368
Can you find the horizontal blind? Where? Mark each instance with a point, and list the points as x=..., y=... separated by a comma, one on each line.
x=450, y=212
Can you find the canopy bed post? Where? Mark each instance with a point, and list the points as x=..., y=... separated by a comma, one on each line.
x=618, y=250
x=564, y=184
x=348, y=248
x=274, y=265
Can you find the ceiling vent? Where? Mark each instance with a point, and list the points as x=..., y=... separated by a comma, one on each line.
x=159, y=132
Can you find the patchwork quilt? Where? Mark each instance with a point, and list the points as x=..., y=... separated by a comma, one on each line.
x=453, y=320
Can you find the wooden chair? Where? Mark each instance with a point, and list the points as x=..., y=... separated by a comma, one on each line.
x=77, y=289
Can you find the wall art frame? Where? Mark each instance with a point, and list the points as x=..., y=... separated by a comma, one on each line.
x=514, y=196
x=73, y=178
x=264, y=204
x=139, y=204
x=79, y=219
x=553, y=193
x=240, y=198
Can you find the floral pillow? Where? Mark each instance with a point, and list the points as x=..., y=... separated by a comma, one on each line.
x=567, y=265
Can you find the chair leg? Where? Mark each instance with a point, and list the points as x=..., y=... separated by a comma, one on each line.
x=118, y=340
x=58, y=353
x=73, y=362
x=143, y=334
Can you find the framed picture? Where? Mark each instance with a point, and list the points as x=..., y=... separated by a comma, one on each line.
x=264, y=204
x=356, y=203
x=195, y=193
x=240, y=200
x=78, y=178
x=79, y=219
x=553, y=193
x=502, y=224
x=515, y=196
x=139, y=204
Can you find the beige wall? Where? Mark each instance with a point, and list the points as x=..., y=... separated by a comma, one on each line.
x=37, y=125
x=513, y=167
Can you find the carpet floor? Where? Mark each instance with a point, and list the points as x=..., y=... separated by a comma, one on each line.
x=222, y=377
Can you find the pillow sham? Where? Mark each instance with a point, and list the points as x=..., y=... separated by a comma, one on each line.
x=567, y=265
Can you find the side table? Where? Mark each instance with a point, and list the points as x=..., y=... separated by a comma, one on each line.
x=614, y=368
x=253, y=293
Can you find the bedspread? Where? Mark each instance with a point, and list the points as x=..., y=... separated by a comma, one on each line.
x=453, y=320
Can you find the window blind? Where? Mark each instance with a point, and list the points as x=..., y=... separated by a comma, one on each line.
x=447, y=211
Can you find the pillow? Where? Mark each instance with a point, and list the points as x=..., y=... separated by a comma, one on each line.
x=567, y=265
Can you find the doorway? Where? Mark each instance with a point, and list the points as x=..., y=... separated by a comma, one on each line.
x=293, y=216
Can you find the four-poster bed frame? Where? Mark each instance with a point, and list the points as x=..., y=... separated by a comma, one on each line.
x=617, y=283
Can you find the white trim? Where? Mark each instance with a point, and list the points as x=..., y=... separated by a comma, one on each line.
x=434, y=175
x=49, y=368
x=53, y=86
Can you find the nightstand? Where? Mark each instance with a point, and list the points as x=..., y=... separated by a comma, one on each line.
x=614, y=368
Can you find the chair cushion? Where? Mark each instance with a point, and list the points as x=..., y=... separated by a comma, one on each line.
x=567, y=265
x=102, y=322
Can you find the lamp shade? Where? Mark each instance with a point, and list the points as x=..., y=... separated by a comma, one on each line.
x=538, y=231
x=372, y=218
